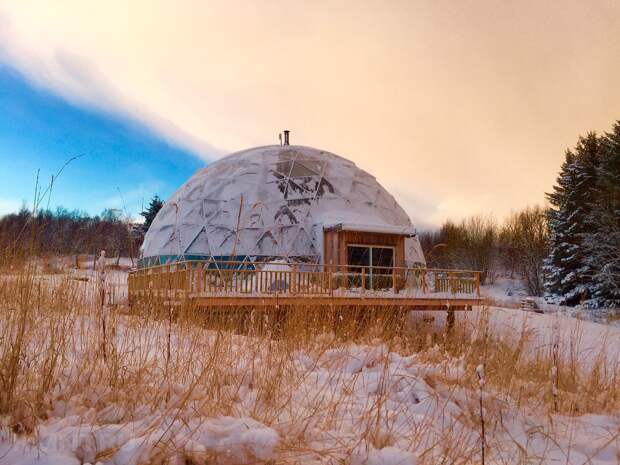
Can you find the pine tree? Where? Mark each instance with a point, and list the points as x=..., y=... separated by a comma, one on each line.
x=151, y=212
x=569, y=273
x=603, y=243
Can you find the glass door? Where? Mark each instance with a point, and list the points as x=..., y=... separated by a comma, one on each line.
x=382, y=262
x=376, y=263
x=358, y=259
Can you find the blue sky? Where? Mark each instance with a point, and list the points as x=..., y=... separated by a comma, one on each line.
x=39, y=130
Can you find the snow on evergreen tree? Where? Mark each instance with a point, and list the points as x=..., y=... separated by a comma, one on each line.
x=151, y=212
x=570, y=221
x=555, y=264
x=603, y=243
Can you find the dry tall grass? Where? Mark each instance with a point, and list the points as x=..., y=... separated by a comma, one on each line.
x=165, y=366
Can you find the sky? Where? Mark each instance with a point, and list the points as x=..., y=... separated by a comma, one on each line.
x=457, y=107
x=120, y=163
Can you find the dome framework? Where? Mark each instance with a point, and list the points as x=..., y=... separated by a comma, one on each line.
x=274, y=203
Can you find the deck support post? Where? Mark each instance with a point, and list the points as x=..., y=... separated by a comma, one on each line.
x=450, y=321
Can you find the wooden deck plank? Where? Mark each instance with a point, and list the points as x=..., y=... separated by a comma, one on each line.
x=427, y=303
x=319, y=301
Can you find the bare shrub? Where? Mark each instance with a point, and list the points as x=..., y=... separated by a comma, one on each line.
x=523, y=244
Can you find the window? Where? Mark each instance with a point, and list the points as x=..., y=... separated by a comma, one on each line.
x=376, y=263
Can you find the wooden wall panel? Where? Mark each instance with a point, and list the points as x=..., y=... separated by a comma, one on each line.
x=330, y=248
x=336, y=242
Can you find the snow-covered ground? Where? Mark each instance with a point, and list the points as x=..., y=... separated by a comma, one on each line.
x=336, y=393
x=509, y=292
x=588, y=341
x=355, y=404
x=244, y=399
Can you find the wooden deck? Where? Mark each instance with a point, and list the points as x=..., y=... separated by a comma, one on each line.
x=237, y=284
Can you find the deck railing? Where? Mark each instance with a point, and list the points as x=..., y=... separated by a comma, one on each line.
x=222, y=278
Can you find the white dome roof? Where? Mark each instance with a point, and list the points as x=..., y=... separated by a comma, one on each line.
x=271, y=202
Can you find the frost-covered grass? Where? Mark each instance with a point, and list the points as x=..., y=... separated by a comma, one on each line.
x=165, y=384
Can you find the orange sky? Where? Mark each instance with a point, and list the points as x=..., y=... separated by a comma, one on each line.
x=458, y=107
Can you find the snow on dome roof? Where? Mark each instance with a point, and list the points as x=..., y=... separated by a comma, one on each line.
x=269, y=202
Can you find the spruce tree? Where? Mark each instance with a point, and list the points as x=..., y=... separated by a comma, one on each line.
x=569, y=273
x=151, y=212
x=603, y=243
x=556, y=266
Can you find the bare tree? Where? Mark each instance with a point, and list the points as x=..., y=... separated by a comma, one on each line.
x=469, y=244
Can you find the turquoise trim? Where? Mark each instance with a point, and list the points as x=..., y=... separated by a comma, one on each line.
x=147, y=262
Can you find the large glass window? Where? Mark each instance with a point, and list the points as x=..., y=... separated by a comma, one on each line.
x=376, y=263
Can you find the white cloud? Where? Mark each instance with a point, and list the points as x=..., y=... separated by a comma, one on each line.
x=9, y=206
x=131, y=201
x=473, y=104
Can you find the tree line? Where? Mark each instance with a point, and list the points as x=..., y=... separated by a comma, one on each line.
x=64, y=232
x=517, y=247
x=73, y=232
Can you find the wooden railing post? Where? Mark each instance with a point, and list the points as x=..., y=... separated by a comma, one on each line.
x=170, y=281
x=199, y=277
x=394, y=279
x=189, y=278
x=363, y=280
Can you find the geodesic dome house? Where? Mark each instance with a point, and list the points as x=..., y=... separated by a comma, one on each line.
x=282, y=203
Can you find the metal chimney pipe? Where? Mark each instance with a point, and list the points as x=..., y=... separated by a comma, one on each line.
x=286, y=133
